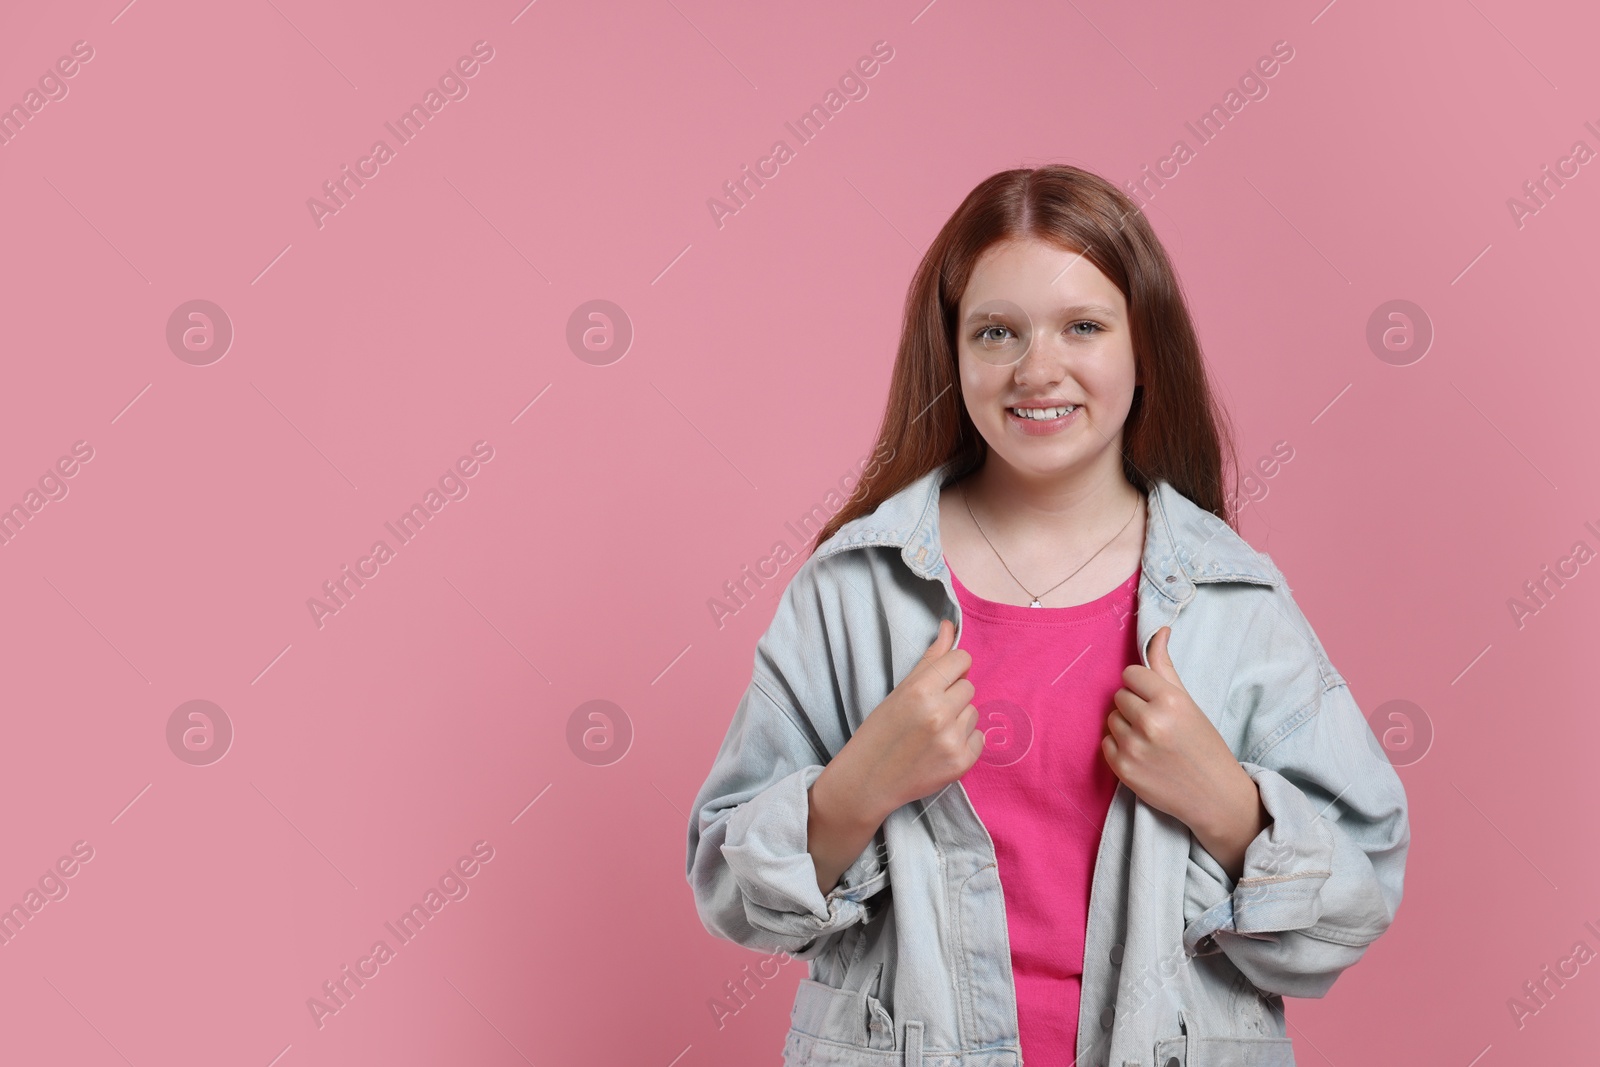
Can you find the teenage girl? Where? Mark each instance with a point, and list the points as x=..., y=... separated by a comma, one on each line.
x=1071, y=400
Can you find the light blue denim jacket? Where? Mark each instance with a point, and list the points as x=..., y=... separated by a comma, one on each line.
x=909, y=959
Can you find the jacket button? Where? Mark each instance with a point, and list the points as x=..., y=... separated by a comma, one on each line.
x=1116, y=954
x=1172, y=1061
x=1172, y=577
x=1105, y=1019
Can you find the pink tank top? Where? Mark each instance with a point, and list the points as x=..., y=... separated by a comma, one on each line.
x=1044, y=679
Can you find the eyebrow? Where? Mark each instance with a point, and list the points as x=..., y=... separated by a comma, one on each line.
x=1072, y=309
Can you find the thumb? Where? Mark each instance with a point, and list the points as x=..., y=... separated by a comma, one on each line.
x=1161, y=657
x=943, y=642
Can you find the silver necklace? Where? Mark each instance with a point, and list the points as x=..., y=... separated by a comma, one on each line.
x=1035, y=602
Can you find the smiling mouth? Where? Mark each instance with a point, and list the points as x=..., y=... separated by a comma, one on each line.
x=1043, y=414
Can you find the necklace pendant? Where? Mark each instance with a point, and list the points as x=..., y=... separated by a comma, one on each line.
x=1035, y=603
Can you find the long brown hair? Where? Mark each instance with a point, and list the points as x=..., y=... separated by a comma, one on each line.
x=1175, y=430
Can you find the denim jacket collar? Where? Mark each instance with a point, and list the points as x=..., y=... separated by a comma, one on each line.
x=1184, y=544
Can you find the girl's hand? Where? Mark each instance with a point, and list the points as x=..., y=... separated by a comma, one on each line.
x=1164, y=748
x=920, y=739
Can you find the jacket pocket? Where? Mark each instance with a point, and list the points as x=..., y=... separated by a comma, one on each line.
x=847, y=1016
x=1195, y=1051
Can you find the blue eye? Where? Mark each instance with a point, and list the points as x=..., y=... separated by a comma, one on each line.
x=985, y=336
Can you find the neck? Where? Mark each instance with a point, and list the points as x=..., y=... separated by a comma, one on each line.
x=1051, y=504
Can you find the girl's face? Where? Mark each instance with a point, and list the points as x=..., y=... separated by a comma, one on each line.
x=1042, y=328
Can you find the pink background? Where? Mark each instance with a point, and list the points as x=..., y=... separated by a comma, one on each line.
x=433, y=309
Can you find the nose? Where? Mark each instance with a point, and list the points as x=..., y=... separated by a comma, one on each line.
x=1046, y=360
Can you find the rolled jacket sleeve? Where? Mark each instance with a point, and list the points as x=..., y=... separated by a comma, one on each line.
x=766, y=849
x=749, y=866
x=1324, y=879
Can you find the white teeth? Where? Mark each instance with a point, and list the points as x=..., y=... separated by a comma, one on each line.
x=1042, y=413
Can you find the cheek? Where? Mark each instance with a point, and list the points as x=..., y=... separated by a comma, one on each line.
x=977, y=389
x=1113, y=379
x=980, y=396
